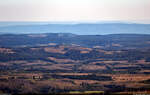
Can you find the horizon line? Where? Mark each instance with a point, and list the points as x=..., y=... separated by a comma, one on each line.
x=78, y=22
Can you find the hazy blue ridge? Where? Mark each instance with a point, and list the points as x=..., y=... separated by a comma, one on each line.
x=80, y=29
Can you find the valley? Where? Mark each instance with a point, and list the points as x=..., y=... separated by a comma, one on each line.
x=60, y=63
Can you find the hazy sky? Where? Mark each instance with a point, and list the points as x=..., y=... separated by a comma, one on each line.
x=74, y=10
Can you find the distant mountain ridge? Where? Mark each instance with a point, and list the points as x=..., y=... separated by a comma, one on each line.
x=80, y=29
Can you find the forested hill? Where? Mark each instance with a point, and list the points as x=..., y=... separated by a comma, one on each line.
x=114, y=41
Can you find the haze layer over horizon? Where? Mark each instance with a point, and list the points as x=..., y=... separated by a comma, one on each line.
x=75, y=10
